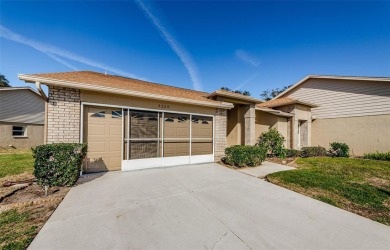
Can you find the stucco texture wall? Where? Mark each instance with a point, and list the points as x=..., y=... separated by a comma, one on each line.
x=34, y=136
x=265, y=121
x=363, y=134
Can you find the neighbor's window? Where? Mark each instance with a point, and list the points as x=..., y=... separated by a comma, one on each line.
x=18, y=131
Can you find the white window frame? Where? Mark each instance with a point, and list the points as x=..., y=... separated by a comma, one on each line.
x=24, y=131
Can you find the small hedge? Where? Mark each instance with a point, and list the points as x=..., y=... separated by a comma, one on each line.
x=378, y=156
x=339, y=149
x=292, y=152
x=313, y=151
x=242, y=156
x=58, y=164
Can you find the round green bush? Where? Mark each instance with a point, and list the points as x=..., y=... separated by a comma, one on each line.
x=242, y=156
x=273, y=142
x=58, y=164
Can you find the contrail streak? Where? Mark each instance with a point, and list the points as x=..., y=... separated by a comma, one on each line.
x=246, y=57
x=184, y=56
x=55, y=52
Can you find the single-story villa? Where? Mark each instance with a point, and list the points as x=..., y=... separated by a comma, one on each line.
x=22, y=112
x=133, y=124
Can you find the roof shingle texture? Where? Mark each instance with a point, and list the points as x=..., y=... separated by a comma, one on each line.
x=99, y=79
x=278, y=102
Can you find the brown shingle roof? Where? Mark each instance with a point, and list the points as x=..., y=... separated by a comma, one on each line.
x=113, y=81
x=284, y=101
x=234, y=95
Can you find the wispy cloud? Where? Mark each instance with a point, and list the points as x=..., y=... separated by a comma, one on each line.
x=184, y=56
x=57, y=53
x=247, y=81
x=247, y=58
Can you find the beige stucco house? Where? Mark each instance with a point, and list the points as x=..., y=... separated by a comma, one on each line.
x=22, y=112
x=132, y=124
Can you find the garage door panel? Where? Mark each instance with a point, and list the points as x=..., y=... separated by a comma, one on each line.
x=96, y=129
x=97, y=147
x=115, y=130
x=104, y=138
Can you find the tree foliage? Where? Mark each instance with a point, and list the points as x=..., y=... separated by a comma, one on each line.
x=271, y=93
x=244, y=92
x=3, y=81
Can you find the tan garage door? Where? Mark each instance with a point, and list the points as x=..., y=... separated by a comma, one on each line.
x=176, y=135
x=103, y=133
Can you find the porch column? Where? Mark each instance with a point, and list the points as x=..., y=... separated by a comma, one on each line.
x=250, y=121
x=220, y=134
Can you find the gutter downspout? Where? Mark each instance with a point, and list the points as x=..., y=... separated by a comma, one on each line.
x=39, y=88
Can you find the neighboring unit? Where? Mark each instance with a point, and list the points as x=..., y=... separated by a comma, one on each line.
x=353, y=110
x=22, y=112
x=132, y=124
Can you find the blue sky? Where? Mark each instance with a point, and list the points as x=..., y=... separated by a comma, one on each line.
x=251, y=45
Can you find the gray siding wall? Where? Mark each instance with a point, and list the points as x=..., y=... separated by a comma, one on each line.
x=21, y=106
x=344, y=98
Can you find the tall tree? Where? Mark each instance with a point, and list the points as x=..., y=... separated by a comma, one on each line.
x=245, y=92
x=268, y=94
x=3, y=81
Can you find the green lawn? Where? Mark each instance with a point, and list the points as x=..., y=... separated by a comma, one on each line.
x=16, y=163
x=357, y=185
x=17, y=230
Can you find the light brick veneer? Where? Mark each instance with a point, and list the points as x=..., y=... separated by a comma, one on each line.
x=220, y=133
x=250, y=123
x=63, y=115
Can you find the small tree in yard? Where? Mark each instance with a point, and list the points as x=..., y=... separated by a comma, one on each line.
x=273, y=141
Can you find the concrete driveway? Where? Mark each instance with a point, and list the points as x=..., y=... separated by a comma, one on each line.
x=200, y=207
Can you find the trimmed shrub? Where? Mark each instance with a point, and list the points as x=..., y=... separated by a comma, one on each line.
x=378, y=156
x=241, y=156
x=292, y=152
x=58, y=164
x=272, y=141
x=339, y=149
x=313, y=151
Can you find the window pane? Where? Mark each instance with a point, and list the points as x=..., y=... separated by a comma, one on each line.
x=18, y=131
x=201, y=148
x=143, y=124
x=144, y=149
x=176, y=148
x=202, y=127
x=176, y=126
x=100, y=114
x=116, y=114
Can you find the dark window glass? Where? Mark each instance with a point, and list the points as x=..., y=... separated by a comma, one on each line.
x=116, y=114
x=100, y=114
x=18, y=131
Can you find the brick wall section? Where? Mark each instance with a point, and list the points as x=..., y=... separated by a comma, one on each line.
x=220, y=133
x=250, y=123
x=63, y=115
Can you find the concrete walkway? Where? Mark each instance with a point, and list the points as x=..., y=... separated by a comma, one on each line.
x=200, y=207
x=264, y=169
